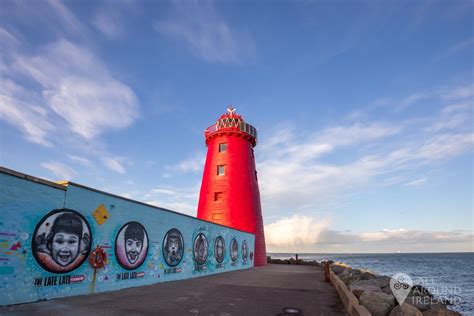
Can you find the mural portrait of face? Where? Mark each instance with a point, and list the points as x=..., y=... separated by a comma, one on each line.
x=131, y=245
x=173, y=247
x=65, y=247
x=244, y=251
x=219, y=249
x=234, y=250
x=200, y=248
x=61, y=241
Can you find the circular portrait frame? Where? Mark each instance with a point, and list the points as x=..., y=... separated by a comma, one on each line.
x=61, y=241
x=176, y=256
x=131, y=235
x=245, y=251
x=234, y=250
x=200, y=259
x=219, y=259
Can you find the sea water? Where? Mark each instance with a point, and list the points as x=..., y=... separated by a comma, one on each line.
x=449, y=275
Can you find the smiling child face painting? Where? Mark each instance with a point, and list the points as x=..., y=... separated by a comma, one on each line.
x=61, y=241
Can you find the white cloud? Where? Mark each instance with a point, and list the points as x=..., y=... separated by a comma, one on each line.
x=7, y=38
x=114, y=164
x=461, y=92
x=128, y=195
x=79, y=88
x=357, y=133
x=60, y=170
x=180, y=207
x=112, y=16
x=181, y=199
x=403, y=236
x=19, y=108
x=456, y=107
x=80, y=160
x=295, y=172
x=164, y=191
x=192, y=164
x=291, y=175
x=205, y=32
x=451, y=122
x=411, y=100
x=314, y=234
x=49, y=18
x=65, y=16
x=444, y=146
x=60, y=82
x=458, y=47
x=67, y=84
x=295, y=231
x=416, y=183
x=286, y=144
x=60, y=92
x=108, y=24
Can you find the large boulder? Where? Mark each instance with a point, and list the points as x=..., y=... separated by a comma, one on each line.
x=420, y=297
x=347, y=274
x=339, y=268
x=426, y=303
x=377, y=303
x=367, y=275
x=312, y=263
x=348, y=271
x=423, y=303
x=387, y=290
x=438, y=306
x=357, y=290
x=405, y=310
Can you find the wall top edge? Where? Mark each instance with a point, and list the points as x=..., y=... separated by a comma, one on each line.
x=63, y=185
x=31, y=178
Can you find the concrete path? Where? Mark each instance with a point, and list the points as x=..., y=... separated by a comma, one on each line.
x=257, y=291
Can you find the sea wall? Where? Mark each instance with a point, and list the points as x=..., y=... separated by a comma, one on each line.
x=364, y=293
x=350, y=302
x=65, y=240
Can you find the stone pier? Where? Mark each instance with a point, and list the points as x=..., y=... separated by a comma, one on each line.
x=267, y=290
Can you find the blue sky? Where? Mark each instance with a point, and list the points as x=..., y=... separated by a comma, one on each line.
x=364, y=109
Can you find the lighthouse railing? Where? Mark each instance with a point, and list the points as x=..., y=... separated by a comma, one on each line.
x=243, y=127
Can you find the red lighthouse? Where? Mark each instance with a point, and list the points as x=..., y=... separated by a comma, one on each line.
x=229, y=190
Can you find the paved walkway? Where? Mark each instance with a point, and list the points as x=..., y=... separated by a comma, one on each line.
x=257, y=291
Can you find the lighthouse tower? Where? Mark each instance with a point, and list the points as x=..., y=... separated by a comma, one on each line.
x=229, y=190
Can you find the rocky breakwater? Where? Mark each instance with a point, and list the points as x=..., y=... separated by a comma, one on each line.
x=366, y=293
x=293, y=261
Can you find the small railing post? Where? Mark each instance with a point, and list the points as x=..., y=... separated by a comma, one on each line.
x=326, y=271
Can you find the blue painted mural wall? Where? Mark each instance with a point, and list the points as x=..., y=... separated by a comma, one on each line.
x=50, y=239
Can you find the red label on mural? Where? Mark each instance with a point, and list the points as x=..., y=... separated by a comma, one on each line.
x=77, y=278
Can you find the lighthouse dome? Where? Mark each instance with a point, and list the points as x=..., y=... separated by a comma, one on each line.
x=232, y=122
